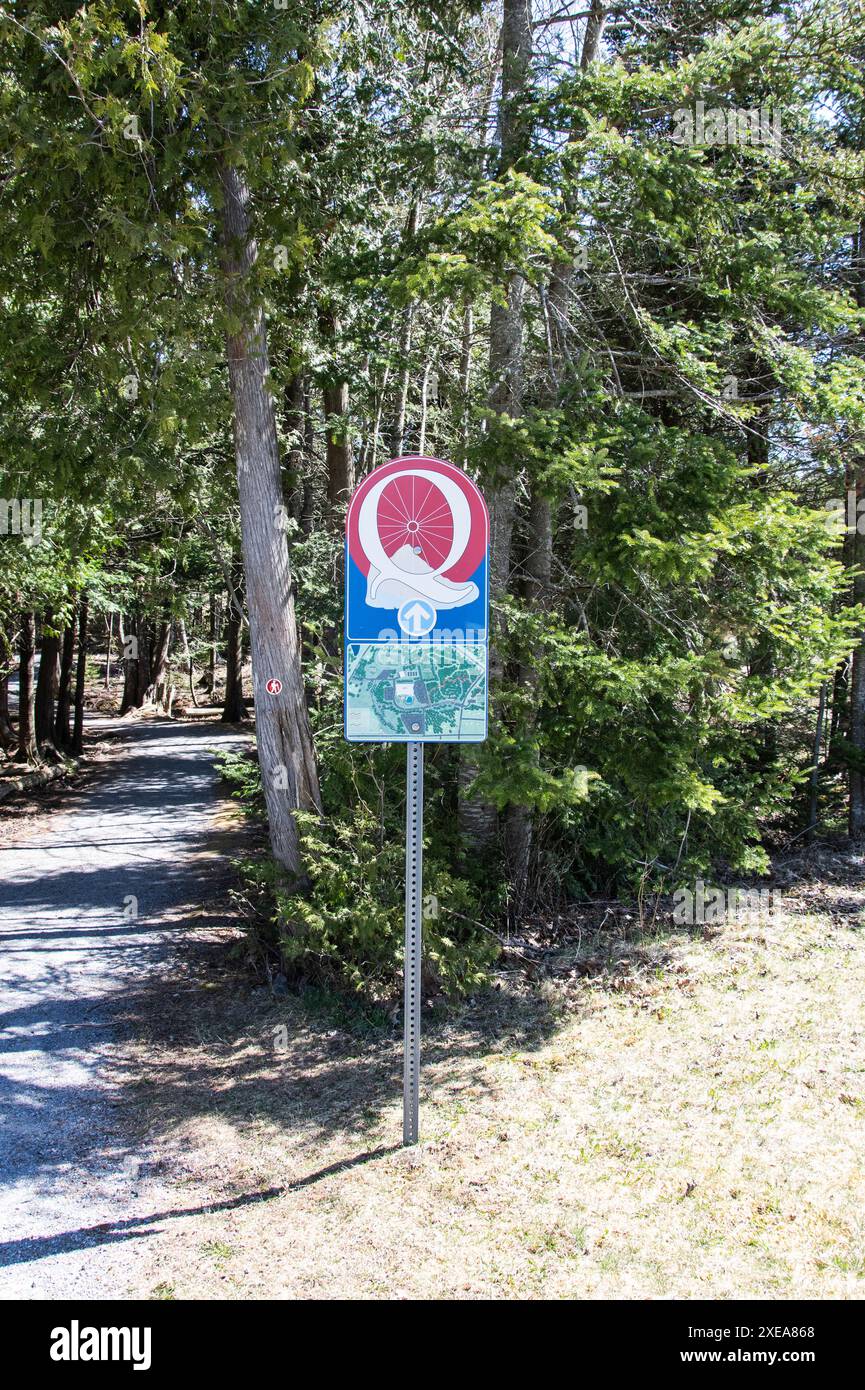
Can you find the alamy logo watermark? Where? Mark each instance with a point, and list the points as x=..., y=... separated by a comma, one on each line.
x=442, y=637
x=77, y=1343
x=21, y=516
x=694, y=126
x=710, y=905
x=846, y=514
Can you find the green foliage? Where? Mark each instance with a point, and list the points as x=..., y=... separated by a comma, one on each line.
x=691, y=396
x=345, y=926
x=350, y=926
x=504, y=226
x=647, y=746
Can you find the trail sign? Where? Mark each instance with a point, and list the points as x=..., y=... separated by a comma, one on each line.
x=416, y=606
x=416, y=635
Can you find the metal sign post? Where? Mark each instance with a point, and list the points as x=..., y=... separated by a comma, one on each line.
x=416, y=636
x=413, y=940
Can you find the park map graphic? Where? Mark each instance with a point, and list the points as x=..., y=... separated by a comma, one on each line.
x=400, y=690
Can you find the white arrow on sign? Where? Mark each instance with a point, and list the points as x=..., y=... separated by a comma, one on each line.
x=417, y=618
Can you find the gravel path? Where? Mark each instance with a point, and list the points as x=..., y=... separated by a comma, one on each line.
x=91, y=897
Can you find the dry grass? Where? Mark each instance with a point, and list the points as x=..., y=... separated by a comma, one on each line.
x=685, y=1120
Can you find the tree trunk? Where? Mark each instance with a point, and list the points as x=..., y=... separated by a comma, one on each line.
x=814, y=779
x=46, y=684
x=129, y=699
x=214, y=644
x=234, y=708
x=27, y=694
x=857, y=683
x=538, y=568
x=62, y=736
x=80, y=674
x=27, y=750
x=187, y=656
x=340, y=464
x=839, y=699
x=7, y=733
x=594, y=30
x=478, y=820
x=424, y=407
x=156, y=691
x=397, y=439
x=857, y=673
x=283, y=733
x=763, y=655
x=340, y=461
x=538, y=571
x=108, y=651
x=145, y=665
x=137, y=678
x=466, y=373
x=295, y=472
x=307, y=516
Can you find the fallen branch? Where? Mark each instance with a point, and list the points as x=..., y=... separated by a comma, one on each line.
x=12, y=786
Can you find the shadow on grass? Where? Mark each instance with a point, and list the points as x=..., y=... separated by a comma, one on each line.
x=318, y=1068
x=203, y=1045
x=312, y=1064
x=30, y=1248
x=199, y=1042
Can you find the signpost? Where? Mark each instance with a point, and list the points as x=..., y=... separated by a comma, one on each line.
x=416, y=640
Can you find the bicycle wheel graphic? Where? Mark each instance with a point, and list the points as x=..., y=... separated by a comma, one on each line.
x=413, y=513
x=418, y=514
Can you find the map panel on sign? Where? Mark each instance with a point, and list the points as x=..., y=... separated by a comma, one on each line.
x=416, y=691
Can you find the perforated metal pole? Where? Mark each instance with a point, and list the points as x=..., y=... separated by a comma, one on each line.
x=413, y=939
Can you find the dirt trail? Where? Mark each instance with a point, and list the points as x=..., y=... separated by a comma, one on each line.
x=92, y=895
